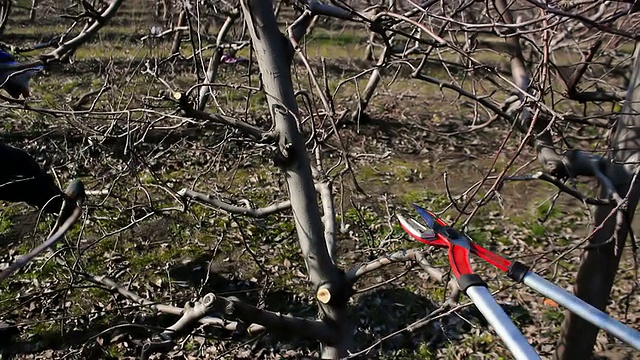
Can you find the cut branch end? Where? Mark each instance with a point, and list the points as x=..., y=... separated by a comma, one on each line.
x=324, y=294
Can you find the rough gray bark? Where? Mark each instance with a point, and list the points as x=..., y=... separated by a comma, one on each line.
x=600, y=262
x=274, y=55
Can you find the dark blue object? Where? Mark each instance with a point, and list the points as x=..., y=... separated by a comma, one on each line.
x=15, y=81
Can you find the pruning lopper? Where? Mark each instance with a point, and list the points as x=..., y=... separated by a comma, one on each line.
x=437, y=233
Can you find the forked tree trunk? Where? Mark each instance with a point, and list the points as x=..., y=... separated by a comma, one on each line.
x=600, y=264
x=274, y=55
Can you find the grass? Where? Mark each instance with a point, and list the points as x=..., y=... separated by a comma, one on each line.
x=143, y=255
x=326, y=46
x=5, y=223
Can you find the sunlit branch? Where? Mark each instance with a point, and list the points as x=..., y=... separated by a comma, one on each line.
x=257, y=212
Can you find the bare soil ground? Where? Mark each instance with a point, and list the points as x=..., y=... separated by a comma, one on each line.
x=402, y=150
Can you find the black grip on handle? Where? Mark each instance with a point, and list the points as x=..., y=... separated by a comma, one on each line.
x=467, y=280
x=517, y=271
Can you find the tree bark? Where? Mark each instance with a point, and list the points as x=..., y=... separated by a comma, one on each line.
x=274, y=55
x=5, y=11
x=214, y=62
x=543, y=141
x=177, y=38
x=370, y=89
x=600, y=263
x=32, y=10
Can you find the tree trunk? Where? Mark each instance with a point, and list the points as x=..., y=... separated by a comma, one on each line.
x=600, y=264
x=5, y=11
x=274, y=55
x=177, y=38
x=156, y=8
x=32, y=10
x=370, y=89
x=166, y=10
x=214, y=62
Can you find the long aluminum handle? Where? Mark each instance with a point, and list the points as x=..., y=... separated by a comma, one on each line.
x=501, y=322
x=583, y=309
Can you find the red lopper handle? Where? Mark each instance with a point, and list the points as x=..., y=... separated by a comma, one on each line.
x=459, y=260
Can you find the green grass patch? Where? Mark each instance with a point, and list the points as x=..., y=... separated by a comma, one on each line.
x=555, y=316
x=5, y=223
x=431, y=200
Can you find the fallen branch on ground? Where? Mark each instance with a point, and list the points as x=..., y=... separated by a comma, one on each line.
x=74, y=194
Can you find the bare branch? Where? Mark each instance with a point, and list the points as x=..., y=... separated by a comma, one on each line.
x=231, y=306
x=585, y=96
x=361, y=270
x=438, y=40
x=258, y=213
x=73, y=200
x=191, y=314
x=319, y=8
x=328, y=217
x=85, y=98
x=554, y=163
x=572, y=83
x=561, y=186
x=251, y=329
x=164, y=33
x=214, y=62
x=299, y=27
x=100, y=20
x=415, y=255
x=447, y=85
x=594, y=24
x=296, y=31
x=441, y=277
x=323, y=187
x=281, y=323
x=189, y=111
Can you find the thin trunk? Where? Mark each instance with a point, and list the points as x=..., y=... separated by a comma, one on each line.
x=214, y=62
x=370, y=89
x=368, y=51
x=166, y=10
x=32, y=10
x=600, y=264
x=177, y=38
x=274, y=55
x=157, y=8
x=5, y=11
